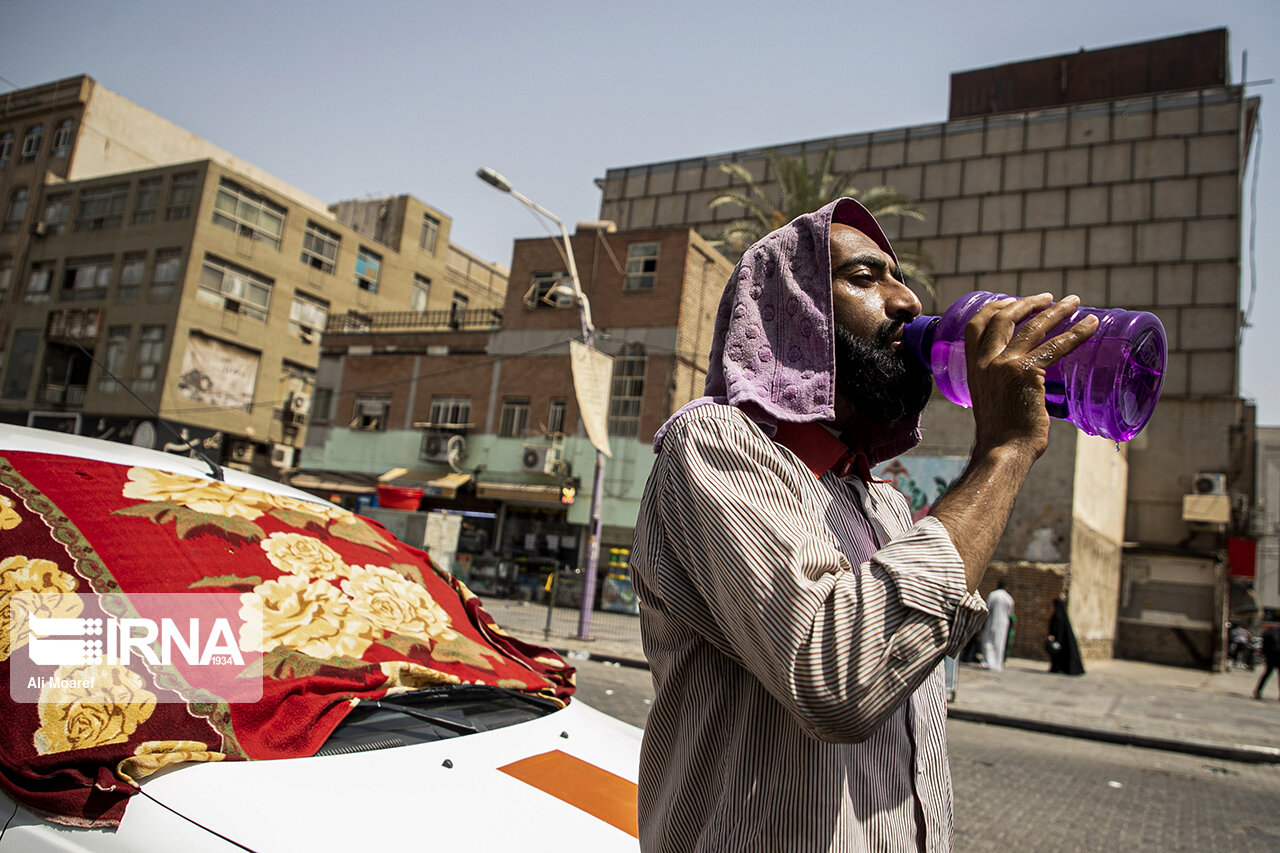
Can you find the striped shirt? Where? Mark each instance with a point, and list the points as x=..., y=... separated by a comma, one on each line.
x=794, y=626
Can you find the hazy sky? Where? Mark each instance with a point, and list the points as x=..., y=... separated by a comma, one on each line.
x=369, y=98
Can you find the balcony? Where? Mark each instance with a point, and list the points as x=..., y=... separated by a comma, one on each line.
x=355, y=322
x=50, y=394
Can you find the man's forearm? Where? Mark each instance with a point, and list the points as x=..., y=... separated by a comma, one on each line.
x=977, y=507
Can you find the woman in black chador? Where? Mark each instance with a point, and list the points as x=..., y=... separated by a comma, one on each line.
x=1064, y=654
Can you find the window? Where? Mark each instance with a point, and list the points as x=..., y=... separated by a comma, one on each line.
x=307, y=317
x=450, y=411
x=233, y=288
x=320, y=247
x=515, y=417
x=57, y=210
x=555, y=416
x=17, y=210
x=628, y=391
x=420, y=294
x=131, y=273
x=146, y=370
x=113, y=360
x=371, y=414
x=368, y=265
x=539, y=293
x=63, y=135
x=430, y=233
x=182, y=191
x=144, y=209
x=6, y=276
x=101, y=207
x=321, y=404
x=248, y=214
x=39, y=283
x=168, y=263
x=457, y=309
x=6, y=147
x=22, y=363
x=31, y=143
x=642, y=266
x=86, y=278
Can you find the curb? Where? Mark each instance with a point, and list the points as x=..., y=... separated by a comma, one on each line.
x=1247, y=753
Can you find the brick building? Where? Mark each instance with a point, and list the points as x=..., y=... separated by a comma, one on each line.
x=486, y=427
x=1114, y=174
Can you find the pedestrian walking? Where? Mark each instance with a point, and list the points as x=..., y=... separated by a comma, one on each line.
x=793, y=614
x=1060, y=642
x=1270, y=658
x=995, y=637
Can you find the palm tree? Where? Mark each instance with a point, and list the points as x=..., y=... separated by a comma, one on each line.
x=801, y=191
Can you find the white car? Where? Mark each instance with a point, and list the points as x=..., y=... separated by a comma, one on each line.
x=432, y=731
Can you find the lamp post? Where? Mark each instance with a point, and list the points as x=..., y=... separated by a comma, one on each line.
x=498, y=182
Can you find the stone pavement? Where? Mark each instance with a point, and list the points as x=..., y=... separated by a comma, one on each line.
x=1118, y=701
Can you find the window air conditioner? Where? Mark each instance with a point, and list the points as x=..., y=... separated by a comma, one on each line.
x=283, y=455
x=242, y=451
x=1209, y=483
x=298, y=407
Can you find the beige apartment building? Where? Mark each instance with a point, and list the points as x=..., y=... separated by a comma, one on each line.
x=1114, y=174
x=137, y=259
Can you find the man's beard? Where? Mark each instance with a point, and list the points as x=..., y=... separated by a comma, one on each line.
x=883, y=385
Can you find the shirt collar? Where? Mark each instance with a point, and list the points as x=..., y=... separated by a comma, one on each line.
x=821, y=450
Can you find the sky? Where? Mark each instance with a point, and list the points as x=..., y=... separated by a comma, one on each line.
x=365, y=99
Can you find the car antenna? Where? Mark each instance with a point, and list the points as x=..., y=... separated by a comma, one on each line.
x=214, y=468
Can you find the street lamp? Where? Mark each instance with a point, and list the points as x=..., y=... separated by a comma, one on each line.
x=495, y=180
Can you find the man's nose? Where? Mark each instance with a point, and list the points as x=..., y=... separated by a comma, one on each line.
x=901, y=301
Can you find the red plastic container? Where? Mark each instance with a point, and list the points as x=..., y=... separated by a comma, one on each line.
x=398, y=497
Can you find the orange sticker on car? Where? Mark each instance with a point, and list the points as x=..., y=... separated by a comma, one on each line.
x=582, y=785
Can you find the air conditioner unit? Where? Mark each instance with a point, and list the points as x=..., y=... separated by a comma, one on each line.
x=298, y=407
x=283, y=455
x=541, y=459
x=39, y=229
x=1209, y=483
x=242, y=451
x=436, y=446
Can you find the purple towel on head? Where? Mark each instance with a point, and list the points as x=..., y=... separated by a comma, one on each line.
x=773, y=355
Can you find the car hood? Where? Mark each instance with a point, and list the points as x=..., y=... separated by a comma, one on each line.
x=565, y=781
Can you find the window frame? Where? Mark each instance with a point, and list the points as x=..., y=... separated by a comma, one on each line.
x=447, y=409
x=181, y=196
x=248, y=212
x=319, y=310
x=429, y=238
x=101, y=207
x=149, y=358
x=364, y=412
x=235, y=298
x=557, y=413
x=146, y=201
x=115, y=358
x=514, y=418
x=642, y=269
x=315, y=240
x=63, y=136
x=365, y=259
x=626, y=392
x=19, y=198
x=31, y=142
x=6, y=148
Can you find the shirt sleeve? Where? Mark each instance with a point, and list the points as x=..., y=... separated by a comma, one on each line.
x=841, y=647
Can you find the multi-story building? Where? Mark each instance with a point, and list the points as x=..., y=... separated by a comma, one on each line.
x=487, y=425
x=1114, y=174
x=156, y=289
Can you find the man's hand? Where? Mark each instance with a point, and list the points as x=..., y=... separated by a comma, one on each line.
x=1006, y=367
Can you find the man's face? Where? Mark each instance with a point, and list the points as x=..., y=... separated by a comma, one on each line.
x=874, y=373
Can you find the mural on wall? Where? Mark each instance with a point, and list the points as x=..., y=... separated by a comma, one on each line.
x=921, y=479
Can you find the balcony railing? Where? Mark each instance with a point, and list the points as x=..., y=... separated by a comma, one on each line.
x=357, y=323
x=50, y=394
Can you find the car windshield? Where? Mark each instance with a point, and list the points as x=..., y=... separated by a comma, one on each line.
x=436, y=713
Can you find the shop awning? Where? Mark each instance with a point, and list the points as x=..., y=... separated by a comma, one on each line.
x=521, y=492
x=447, y=486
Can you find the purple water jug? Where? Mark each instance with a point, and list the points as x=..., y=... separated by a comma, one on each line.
x=1108, y=386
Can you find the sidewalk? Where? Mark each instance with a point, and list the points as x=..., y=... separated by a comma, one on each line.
x=1118, y=701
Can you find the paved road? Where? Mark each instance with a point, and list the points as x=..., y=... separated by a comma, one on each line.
x=1019, y=790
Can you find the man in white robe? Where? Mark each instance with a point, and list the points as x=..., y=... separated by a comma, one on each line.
x=996, y=634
